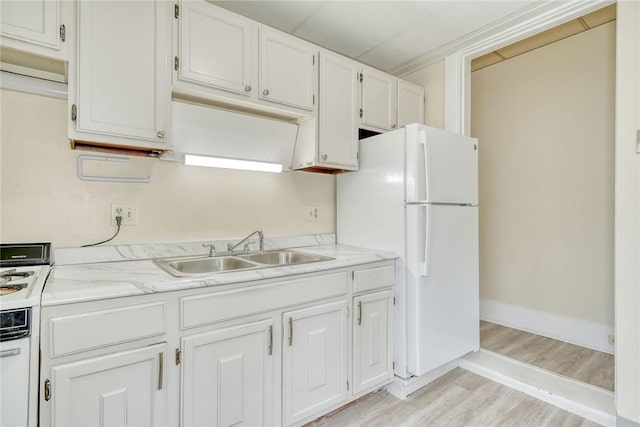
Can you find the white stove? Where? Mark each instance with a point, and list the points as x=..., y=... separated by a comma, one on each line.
x=24, y=270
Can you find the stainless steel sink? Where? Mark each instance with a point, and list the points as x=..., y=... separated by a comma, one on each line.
x=284, y=257
x=207, y=265
x=200, y=266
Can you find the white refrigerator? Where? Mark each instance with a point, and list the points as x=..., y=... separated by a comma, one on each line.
x=416, y=193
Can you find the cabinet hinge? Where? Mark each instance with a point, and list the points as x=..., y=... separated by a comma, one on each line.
x=176, y=10
x=360, y=77
x=178, y=356
x=176, y=62
x=47, y=390
x=63, y=33
x=74, y=113
x=360, y=109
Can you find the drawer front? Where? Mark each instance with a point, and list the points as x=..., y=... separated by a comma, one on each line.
x=201, y=310
x=373, y=278
x=96, y=329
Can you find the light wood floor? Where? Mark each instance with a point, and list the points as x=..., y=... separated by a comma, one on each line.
x=460, y=398
x=589, y=366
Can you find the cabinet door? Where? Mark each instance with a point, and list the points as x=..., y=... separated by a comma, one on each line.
x=125, y=388
x=372, y=340
x=379, y=98
x=338, y=104
x=315, y=360
x=228, y=376
x=214, y=47
x=33, y=25
x=122, y=69
x=287, y=70
x=410, y=103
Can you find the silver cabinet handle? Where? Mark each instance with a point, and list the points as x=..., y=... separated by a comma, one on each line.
x=290, y=331
x=247, y=88
x=160, y=369
x=270, y=340
x=324, y=157
x=393, y=126
x=10, y=352
x=265, y=92
x=160, y=134
x=359, y=313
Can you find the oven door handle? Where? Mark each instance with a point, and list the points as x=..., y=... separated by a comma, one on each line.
x=10, y=352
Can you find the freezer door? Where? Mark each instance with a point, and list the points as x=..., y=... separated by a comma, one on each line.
x=442, y=296
x=442, y=167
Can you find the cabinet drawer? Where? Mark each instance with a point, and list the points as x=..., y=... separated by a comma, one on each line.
x=373, y=278
x=201, y=310
x=95, y=329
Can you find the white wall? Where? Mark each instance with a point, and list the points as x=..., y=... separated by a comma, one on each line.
x=627, y=234
x=41, y=199
x=545, y=122
x=431, y=78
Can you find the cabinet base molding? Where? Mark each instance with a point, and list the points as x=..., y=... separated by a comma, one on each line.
x=401, y=387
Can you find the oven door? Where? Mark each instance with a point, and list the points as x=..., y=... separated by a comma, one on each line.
x=14, y=387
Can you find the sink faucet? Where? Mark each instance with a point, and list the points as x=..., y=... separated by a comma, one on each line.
x=212, y=248
x=231, y=246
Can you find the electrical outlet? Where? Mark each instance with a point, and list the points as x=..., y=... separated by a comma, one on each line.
x=127, y=211
x=612, y=340
x=313, y=213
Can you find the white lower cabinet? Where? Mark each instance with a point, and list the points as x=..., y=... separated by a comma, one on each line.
x=119, y=389
x=372, y=340
x=315, y=360
x=228, y=376
x=265, y=353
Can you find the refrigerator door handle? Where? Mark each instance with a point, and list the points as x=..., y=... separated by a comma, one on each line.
x=424, y=267
x=422, y=140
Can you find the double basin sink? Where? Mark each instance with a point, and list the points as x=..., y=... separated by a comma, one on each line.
x=203, y=265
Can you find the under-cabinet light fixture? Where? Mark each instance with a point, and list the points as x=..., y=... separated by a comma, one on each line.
x=220, y=162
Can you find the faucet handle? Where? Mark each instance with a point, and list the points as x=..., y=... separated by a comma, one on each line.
x=212, y=248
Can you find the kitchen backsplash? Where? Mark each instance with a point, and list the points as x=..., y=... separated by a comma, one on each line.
x=43, y=200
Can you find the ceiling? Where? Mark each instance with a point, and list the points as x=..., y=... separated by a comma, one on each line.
x=383, y=34
x=568, y=29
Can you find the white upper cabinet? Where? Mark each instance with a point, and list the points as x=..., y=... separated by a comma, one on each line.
x=378, y=100
x=410, y=103
x=214, y=47
x=287, y=69
x=119, y=89
x=36, y=26
x=338, y=106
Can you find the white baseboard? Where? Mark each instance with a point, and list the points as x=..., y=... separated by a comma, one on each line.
x=575, y=331
x=585, y=400
x=401, y=388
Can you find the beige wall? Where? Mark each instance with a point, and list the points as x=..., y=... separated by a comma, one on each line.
x=431, y=78
x=41, y=198
x=545, y=122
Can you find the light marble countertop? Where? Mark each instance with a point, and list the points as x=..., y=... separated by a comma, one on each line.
x=129, y=275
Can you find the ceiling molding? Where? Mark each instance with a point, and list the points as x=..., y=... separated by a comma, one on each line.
x=512, y=28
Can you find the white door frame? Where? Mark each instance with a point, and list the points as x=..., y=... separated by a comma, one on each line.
x=627, y=174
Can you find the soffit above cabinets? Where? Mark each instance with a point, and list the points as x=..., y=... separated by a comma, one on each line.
x=383, y=34
x=568, y=29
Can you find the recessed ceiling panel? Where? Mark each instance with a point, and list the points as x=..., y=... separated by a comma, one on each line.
x=354, y=27
x=455, y=21
x=283, y=15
